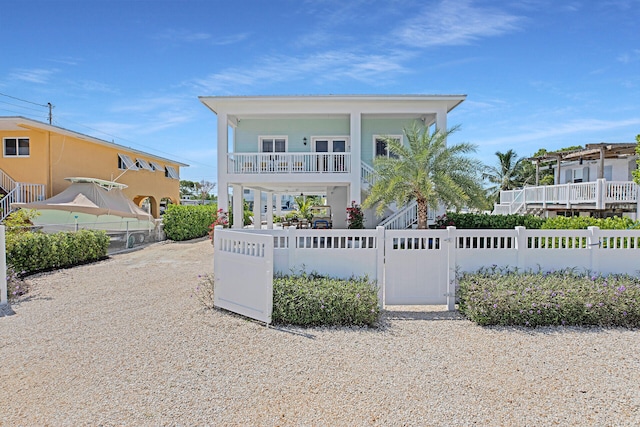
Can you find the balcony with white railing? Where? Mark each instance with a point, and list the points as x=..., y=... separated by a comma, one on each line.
x=598, y=194
x=288, y=163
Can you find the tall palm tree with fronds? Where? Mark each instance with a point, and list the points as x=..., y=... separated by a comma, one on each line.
x=509, y=173
x=428, y=171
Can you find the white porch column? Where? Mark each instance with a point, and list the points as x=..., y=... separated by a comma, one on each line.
x=223, y=180
x=278, y=204
x=441, y=120
x=257, y=209
x=238, y=206
x=356, y=156
x=269, y=210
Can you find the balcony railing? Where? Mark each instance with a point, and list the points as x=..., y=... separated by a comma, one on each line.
x=288, y=163
x=597, y=193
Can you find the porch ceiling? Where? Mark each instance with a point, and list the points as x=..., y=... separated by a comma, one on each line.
x=292, y=188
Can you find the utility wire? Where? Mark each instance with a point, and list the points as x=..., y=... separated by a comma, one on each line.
x=24, y=100
x=95, y=130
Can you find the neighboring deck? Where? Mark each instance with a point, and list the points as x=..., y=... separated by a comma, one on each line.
x=597, y=195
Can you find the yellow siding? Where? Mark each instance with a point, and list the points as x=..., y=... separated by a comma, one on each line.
x=56, y=156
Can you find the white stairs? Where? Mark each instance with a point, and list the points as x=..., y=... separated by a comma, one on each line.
x=17, y=192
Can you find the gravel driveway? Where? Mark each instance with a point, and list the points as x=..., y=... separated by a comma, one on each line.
x=123, y=342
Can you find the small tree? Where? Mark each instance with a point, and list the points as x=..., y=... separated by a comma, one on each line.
x=428, y=171
x=204, y=189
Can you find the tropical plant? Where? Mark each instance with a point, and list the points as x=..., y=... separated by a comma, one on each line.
x=355, y=216
x=304, y=204
x=509, y=173
x=428, y=171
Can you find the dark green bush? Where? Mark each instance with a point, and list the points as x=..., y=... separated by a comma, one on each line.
x=182, y=222
x=313, y=300
x=581, y=222
x=485, y=221
x=503, y=297
x=28, y=252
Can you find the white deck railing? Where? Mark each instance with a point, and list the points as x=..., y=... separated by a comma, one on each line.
x=288, y=163
x=22, y=192
x=598, y=193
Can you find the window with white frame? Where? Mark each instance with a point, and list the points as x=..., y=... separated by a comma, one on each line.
x=16, y=147
x=380, y=145
x=143, y=164
x=273, y=144
x=170, y=172
x=125, y=162
x=155, y=166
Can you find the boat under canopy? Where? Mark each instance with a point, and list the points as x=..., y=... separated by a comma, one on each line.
x=90, y=203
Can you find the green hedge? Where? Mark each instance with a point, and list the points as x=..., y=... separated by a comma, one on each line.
x=314, y=300
x=564, y=298
x=29, y=252
x=580, y=222
x=487, y=221
x=183, y=222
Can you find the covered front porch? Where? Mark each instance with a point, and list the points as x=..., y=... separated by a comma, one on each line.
x=267, y=200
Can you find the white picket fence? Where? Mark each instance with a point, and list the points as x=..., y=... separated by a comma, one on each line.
x=410, y=266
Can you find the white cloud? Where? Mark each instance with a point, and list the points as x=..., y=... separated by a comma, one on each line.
x=452, y=23
x=545, y=133
x=322, y=66
x=33, y=76
x=185, y=36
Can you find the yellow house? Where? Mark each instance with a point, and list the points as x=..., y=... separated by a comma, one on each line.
x=40, y=155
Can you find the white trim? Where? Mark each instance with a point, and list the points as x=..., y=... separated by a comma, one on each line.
x=128, y=163
x=143, y=164
x=17, y=140
x=274, y=137
x=171, y=172
x=377, y=137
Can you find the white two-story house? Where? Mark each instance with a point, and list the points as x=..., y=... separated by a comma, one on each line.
x=313, y=145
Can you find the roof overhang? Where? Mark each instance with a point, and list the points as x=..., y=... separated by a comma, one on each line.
x=331, y=105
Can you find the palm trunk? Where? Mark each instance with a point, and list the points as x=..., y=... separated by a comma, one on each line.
x=422, y=214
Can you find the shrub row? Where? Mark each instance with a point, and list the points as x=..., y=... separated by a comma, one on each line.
x=504, y=297
x=28, y=252
x=580, y=222
x=487, y=221
x=183, y=222
x=314, y=300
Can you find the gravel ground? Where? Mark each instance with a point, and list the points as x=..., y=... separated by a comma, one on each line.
x=123, y=342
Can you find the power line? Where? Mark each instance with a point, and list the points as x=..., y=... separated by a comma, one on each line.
x=50, y=118
x=24, y=100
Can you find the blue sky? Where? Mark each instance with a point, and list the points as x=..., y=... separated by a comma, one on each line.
x=538, y=73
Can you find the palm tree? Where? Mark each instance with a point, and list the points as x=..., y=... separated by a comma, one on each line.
x=428, y=171
x=509, y=173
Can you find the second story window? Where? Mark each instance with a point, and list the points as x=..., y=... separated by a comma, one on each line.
x=270, y=144
x=381, y=145
x=125, y=162
x=16, y=147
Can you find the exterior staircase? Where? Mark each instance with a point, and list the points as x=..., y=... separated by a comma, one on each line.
x=17, y=192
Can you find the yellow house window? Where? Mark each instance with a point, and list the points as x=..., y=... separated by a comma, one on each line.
x=156, y=166
x=170, y=172
x=125, y=162
x=143, y=164
x=16, y=147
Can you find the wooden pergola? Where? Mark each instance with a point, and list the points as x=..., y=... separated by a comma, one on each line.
x=598, y=151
